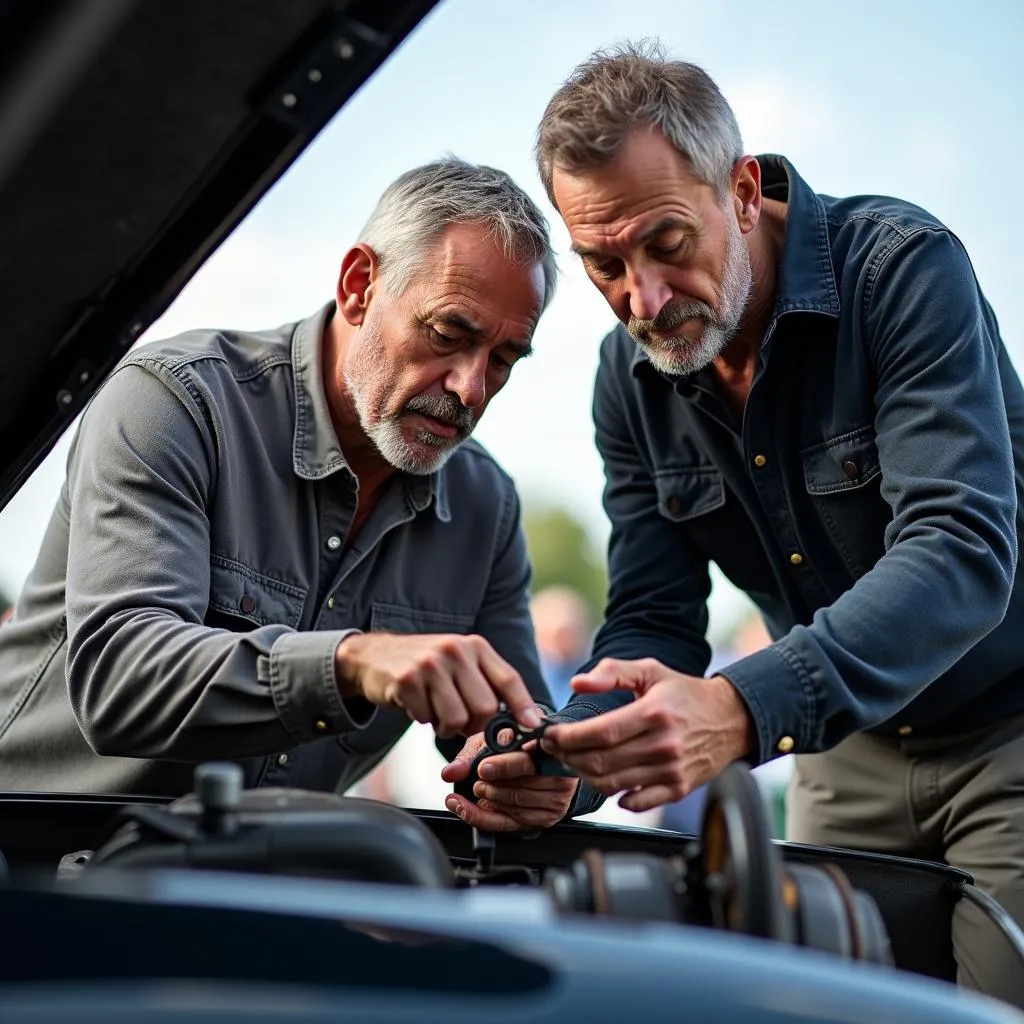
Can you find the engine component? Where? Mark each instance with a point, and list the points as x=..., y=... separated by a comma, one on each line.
x=731, y=879
x=635, y=886
x=749, y=890
x=742, y=870
x=277, y=831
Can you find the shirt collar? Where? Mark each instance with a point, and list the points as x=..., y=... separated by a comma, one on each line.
x=316, y=452
x=807, y=282
x=421, y=490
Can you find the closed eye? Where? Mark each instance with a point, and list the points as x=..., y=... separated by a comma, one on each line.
x=666, y=250
x=446, y=339
x=606, y=269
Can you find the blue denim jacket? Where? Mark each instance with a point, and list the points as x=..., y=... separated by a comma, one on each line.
x=867, y=503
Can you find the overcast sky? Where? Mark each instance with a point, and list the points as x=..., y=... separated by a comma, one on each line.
x=914, y=98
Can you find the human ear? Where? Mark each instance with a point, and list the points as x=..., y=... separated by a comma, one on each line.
x=357, y=280
x=746, y=192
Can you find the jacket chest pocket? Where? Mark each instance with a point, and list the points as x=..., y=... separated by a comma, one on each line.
x=843, y=477
x=242, y=599
x=696, y=498
x=687, y=493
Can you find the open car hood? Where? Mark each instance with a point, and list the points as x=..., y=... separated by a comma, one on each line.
x=134, y=136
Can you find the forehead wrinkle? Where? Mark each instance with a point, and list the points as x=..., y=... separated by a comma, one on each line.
x=627, y=232
x=458, y=288
x=451, y=308
x=627, y=212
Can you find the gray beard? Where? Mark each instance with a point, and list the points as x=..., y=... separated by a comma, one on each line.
x=365, y=376
x=681, y=356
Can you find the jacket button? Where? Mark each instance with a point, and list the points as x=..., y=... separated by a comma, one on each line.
x=247, y=604
x=796, y=558
x=320, y=725
x=330, y=601
x=785, y=745
x=282, y=759
x=760, y=461
x=675, y=505
x=905, y=730
x=333, y=543
x=851, y=469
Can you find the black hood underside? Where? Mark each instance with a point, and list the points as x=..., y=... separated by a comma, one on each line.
x=134, y=136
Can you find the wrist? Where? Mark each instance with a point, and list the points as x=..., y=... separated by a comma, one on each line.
x=347, y=675
x=736, y=718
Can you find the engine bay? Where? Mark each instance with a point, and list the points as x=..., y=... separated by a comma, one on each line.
x=730, y=878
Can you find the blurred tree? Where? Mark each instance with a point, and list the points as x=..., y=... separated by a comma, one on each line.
x=563, y=553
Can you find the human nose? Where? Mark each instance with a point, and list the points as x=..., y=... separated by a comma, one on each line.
x=468, y=379
x=648, y=293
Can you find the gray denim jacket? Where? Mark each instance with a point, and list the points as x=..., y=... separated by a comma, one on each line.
x=194, y=580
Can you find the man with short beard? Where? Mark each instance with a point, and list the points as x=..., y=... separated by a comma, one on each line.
x=279, y=547
x=816, y=397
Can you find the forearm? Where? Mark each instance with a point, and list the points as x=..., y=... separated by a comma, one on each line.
x=145, y=676
x=865, y=657
x=145, y=684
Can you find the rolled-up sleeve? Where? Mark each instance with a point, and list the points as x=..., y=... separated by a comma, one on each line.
x=146, y=678
x=945, y=578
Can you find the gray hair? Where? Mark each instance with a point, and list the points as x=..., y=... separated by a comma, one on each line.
x=586, y=122
x=418, y=206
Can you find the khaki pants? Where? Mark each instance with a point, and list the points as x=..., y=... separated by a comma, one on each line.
x=959, y=800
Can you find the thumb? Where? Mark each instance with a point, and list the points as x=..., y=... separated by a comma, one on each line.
x=458, y=768
x=612, y=674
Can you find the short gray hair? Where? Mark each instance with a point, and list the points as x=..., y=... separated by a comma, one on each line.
x=418, y=206
x=586, y=122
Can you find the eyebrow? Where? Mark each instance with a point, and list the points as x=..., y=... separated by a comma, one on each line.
x=522, y=349
x=662, y=225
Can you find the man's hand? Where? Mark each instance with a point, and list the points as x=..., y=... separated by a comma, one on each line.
x=511, y=795
x=678, y=734
x=452, y=682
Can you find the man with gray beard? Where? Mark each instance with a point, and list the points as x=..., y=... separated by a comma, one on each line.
x=812, y=393
x=279, y=547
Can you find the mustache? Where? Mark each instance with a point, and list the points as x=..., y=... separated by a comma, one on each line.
x=672, y=315
x=446, y=408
